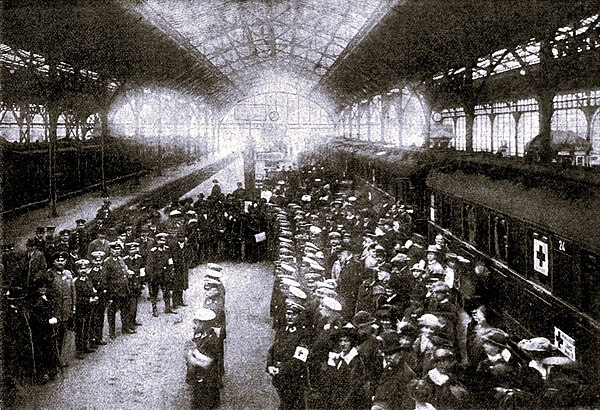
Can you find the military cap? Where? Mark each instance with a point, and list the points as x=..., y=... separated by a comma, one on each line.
x=288, y=268
x=287, y=240
x=419, y=266
x=210, y=282
x=175, y=212
x=400, y=257
x=162, y=235
x=317, y=267
x=64, y=232
x=433, y=248
x=311, y=245
x=309, y=260
x=190, y=212
x=285, y=276
x=334, y=235
x=327, y=285
x=462, y=259
x=285, y=250
x=204, y=315
x=292, y=306
x=215, y=181
x=213, y=274
x=114, y=245
x=50, y=228
x=297, y=292
x=331, y=303
x=351, y=199
x=322, y=292
x=60, y=255
x=98, y=254
x=82, y=262
x=290, y=282
x=288, y=258
x=430, y=320
x=132, y=245
x=40, y=229
x=80, y=221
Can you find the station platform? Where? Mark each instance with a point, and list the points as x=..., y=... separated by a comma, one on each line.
x=17, y=229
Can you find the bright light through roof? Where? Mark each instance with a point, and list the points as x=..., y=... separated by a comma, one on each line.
x=241, y=37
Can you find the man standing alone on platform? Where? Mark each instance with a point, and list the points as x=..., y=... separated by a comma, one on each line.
x=117, y=286
x=159, y=270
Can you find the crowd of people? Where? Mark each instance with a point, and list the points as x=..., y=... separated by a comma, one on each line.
x=369, y=315
x=80, y=278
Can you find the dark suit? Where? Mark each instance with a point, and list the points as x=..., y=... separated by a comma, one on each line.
x=292, y=379
x=204, y=380
x=117, y=287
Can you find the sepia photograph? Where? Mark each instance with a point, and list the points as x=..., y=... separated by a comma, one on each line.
x=300, y=204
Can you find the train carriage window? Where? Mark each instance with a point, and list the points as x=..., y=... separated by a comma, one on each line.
x=469, y=224
x=590, y=272
x=499, y=237
x=539, y=259
x=519, y=249
x=432, y=214
x=446, y=212
x=456, y=217
x=482, y=229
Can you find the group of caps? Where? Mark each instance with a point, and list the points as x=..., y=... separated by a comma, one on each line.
x=212, y=277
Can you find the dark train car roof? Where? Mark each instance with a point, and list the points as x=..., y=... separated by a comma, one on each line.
x=575, y=220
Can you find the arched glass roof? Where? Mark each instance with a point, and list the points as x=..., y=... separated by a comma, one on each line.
x=241, y=38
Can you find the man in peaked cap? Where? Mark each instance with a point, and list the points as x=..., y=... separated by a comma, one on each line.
x=86, y=298
x=96, y=275
x=202, y=360
x=135, y=263
x=118, y=291
x=159, y=271
x=286, y=360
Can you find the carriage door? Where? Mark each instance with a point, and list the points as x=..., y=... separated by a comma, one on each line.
x=566, y=277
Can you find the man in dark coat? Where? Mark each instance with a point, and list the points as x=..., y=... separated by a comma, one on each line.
x=86, y=298
x=159, y=273
x=117, y=286
x=391, y=391
x=181, y=263
x=96, y=275
x=36, y=264
x=134, y=262
x=202, y=359
x=286, y=360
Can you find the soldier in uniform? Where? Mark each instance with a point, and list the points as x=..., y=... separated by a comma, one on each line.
x=36, y=264
x=215, y=301
x=42, y=322
x=181, y=263
x=202, y=357
x=159, y=271
x=117, y=286
x=78, y=241
x=86, y=298
x=99, y=244
x=96, y=275
x=134, y=262
x=62, y=295
x=286, y=360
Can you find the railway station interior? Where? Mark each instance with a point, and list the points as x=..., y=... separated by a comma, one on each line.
x=300, y=204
